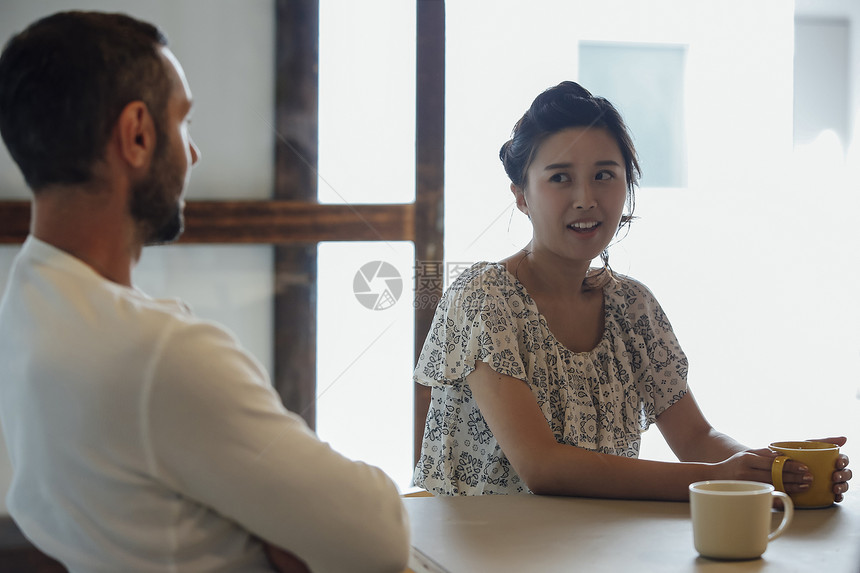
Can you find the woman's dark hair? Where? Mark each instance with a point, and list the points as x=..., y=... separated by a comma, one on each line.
x=561, y=107
x=63, y=83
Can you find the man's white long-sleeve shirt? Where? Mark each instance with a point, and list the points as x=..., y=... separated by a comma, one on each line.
x=145, y=439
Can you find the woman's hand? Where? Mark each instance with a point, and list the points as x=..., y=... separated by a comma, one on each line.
x=796, y=477
x=755, y=465
x=842, y=473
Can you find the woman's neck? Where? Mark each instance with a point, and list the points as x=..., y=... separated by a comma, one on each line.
x=544, y=272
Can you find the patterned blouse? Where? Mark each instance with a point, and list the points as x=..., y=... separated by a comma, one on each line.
x=600, y=400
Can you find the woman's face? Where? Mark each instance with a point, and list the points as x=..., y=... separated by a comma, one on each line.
x=575, y=190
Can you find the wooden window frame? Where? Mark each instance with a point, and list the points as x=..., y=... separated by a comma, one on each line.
x=293, y=222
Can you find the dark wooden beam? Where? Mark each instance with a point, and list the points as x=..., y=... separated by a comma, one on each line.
x=294, y=221
x=262, y=222
x=429, y=182
x=14, y=221
x=296, y=144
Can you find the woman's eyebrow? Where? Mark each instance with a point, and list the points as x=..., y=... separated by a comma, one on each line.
x=601, y=163
x=552, y=166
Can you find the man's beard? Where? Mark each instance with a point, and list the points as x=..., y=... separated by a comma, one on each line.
x=154, y=201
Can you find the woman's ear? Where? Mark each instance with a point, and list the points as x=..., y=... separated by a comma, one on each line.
x=135, y=131
x=520, y=197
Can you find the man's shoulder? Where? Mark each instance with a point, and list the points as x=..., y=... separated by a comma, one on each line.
x=179, y=329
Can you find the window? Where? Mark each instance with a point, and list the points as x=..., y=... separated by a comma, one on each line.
x=365, y=353
x=646, y=83
x=821, y=79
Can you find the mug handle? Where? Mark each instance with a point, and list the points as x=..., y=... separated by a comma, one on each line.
x=776, y=472
x=788, y=514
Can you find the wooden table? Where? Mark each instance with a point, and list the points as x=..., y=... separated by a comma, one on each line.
x=524, y=533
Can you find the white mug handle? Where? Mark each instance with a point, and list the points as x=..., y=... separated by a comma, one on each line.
x=788, y=509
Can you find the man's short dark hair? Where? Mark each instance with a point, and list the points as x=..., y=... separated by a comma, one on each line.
x=63, y=83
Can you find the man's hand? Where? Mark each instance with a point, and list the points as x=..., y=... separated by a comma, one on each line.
x=284, y=561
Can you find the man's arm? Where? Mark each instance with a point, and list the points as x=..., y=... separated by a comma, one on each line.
x=222, y=437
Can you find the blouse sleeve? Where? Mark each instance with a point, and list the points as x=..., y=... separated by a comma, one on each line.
x=473, y=322
x=661, y=373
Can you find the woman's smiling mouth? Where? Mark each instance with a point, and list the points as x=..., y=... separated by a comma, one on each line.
x=583, y=226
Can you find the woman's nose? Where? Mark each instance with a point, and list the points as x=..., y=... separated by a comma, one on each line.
x=583, y=197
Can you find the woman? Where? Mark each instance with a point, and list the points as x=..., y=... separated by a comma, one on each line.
x=545, y=372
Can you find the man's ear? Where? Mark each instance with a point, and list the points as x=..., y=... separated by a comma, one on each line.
x=520, y=196
x=135, y=130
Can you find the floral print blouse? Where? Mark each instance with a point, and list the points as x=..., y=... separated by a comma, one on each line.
x=601, y=400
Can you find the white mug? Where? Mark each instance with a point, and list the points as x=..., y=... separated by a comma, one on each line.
x=731, y=519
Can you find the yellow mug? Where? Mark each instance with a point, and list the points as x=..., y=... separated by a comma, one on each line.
x=820, y=458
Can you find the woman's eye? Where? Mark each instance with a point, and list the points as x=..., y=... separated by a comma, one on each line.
x=604, y=176
x=559, y=178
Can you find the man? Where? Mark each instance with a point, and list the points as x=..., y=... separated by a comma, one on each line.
x=141, y=437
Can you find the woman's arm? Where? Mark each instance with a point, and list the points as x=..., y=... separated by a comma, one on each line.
x=692, y=438
x=551, y=468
